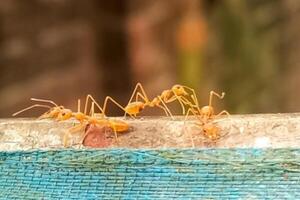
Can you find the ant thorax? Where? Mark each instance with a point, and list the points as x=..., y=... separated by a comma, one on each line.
x=207, y=112
x=155, y=102
x=165, y=95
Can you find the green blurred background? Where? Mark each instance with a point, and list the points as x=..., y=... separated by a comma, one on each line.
x=63, y=49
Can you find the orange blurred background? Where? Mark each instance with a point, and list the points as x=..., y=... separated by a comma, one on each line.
x=64, y=50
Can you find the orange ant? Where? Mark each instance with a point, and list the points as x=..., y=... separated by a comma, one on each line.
x=117, y=126
x=167, y=96
x=205, y=114
x=59, y=112
x=56, y=112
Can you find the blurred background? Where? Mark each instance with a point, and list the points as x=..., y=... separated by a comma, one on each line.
x=63, y=49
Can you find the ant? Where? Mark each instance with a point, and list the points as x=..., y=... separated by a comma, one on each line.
x=205, y=114
x=167, y=96
x=59, y=112
x=117, y=126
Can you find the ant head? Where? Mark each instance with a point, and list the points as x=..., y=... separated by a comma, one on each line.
x=64, y=114
x=51, y=113
x=211, y=131
x=179, y=90
x=207, y=111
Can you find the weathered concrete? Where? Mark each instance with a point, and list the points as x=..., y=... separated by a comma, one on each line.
x=238, y=131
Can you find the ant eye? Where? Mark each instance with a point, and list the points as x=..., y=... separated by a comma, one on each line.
x=63, y=114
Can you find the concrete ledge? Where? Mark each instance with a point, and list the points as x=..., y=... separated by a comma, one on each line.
x=238, y=131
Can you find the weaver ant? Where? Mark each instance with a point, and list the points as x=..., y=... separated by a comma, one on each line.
x=205, y=114
x=56, y=112
x=141, y=100
x=59, y=112
x=117, y=126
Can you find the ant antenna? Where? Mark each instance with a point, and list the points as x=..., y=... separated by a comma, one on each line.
x=30, y=107
x=217, y=95
x=44, y=100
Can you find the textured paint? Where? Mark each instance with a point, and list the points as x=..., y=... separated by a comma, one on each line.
x=151, y=174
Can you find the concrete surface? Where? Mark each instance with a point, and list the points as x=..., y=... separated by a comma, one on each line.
x=237, y=131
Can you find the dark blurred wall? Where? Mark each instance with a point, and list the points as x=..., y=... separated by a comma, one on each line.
x=151, y=29
x=61, y=50
x=289, y=73
x=112, y=51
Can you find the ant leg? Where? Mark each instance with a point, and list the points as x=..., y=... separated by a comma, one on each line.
x=138, y=86
x=115, y=132
x=70, y=131
x=223, y=112
x=76, y=128
x=144, y=98
x=187, y=102
x=92, y=110
x=115, y=102
x=30, y=107
x=190, y=110
x=184, y=102
x=166, y=112
x=44, y=100
x=216, y=94
x=193, y=96
x=65, y=139
x=78, y=105
x=91, y=98
x=165, y=108
x=95, y=103
x=86, y=104
x=176, y=97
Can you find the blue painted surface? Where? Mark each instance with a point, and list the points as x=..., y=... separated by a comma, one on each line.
x=151, y=174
